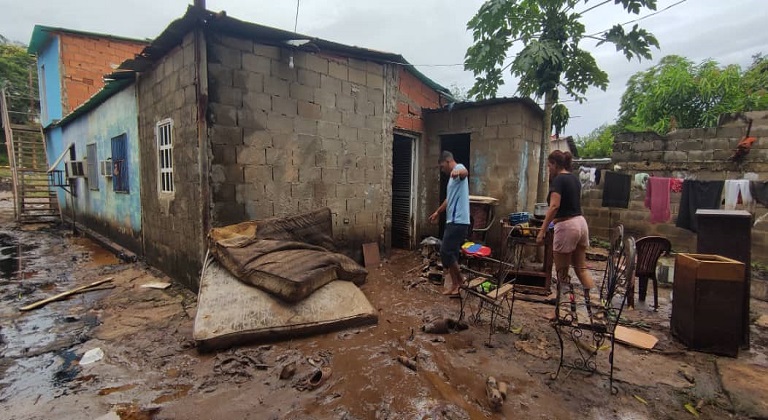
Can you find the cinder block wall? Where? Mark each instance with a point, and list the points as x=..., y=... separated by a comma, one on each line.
x=692, y=154
x=287, y=140
x=504, y=155
x=172, y=224
x=85, y=60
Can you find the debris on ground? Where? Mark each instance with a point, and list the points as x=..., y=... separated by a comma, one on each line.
x=92, y=356
x=410, y=363
x=495, y=399
x=156, y=285
x=444, y=326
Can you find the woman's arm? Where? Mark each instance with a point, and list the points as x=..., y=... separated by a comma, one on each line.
x=554, y=205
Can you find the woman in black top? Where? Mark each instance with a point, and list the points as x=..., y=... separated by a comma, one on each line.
x=571, y=232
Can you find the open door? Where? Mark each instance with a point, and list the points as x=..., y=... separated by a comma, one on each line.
x=403, y=187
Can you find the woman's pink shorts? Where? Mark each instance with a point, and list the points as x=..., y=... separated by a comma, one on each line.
x=571, y=233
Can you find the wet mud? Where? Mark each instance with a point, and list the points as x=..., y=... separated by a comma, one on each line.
x=151, y=369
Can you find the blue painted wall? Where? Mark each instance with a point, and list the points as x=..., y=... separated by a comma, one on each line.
x=48, y=57
x=115, y=214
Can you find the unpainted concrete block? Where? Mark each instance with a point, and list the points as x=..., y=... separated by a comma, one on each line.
x=221, y=74
x=251, y=119
x=224, y=154
x=309, y=78
x=279, y=124
x=345, y=103
x=331, y=175
x=268, y=51
x=257, y=174
x=285, y=173
x=259, y=209
x=285, y=106
x=276, y=86
x=223, y=114
x=248, y=155
x=357, y=76
x=243, y=45
x=316, y=63
x=227, y=96
x=309, y=174
x=325, y=98
x=221, y=54
x=374, y=80
x=338, y=70
x=249, y=81
x=220, y=134
x=327, y=129
x=257, y=64
x=302, y=92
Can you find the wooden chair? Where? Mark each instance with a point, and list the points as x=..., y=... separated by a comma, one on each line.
x=649, y=250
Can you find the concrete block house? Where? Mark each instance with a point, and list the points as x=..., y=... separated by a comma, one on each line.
x=238, y=121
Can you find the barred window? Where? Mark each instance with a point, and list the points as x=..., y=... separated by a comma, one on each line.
x=164, y=133
x=120, y=163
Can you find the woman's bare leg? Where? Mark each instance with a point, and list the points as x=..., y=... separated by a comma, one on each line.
x=579, y=260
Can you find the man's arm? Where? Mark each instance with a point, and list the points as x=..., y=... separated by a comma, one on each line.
x=460, y=172
x=436, y=214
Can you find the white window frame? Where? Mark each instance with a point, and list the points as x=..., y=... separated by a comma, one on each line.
x=165, y=179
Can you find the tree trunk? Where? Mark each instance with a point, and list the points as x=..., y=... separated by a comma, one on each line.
x=546, y=133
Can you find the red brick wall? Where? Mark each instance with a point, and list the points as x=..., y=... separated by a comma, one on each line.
x=84, y=62
x=414, y=95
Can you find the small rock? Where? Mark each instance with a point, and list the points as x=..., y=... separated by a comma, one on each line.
x=762, y=322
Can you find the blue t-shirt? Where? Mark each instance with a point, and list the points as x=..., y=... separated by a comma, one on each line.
x=457, y=210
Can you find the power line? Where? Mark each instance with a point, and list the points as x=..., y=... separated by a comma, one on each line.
x=594, y=7
x=639, y=19
x=296, y=21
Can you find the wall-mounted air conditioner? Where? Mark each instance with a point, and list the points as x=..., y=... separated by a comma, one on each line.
x=75, y=169
x=105, y=168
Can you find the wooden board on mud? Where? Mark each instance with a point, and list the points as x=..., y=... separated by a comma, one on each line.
x=634, y=338
x=230, y=312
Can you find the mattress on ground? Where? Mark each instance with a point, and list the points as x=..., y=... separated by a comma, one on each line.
x=288, y=257
x=229, y=312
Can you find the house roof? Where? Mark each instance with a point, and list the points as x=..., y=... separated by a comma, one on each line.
x=174, y=34
x=530, y=103
x=42, y=34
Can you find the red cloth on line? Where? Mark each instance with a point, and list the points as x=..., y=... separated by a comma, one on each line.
x=657, y=199
x=676, y=185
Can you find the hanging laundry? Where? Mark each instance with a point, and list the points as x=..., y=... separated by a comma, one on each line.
x=676, y=185
x=734, y=190
x=641, y=179
x=597, y=177
x=698, y=195
x=657, y=199
x=759, y=191
x=616, y=190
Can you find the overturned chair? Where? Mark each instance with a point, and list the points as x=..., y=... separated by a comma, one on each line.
x=591, y=327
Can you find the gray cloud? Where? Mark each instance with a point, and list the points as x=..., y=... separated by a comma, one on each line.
x=428, y=32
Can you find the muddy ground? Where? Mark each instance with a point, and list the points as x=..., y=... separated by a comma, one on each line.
x=151, y=368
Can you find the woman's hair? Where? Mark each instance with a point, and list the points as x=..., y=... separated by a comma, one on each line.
x=561, y=159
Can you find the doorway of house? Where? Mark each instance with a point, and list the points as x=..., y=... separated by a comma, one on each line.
x=403, y=187
x=458, y=144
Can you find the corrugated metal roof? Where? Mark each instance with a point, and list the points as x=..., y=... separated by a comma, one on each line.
x=41, y=34
x=530, y=103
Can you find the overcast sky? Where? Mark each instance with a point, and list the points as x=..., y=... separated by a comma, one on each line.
x=429, y=32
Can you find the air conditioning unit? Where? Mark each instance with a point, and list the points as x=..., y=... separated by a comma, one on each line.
x=105, y=168
x=75, y=169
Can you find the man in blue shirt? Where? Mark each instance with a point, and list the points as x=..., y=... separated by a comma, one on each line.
x=456, y=207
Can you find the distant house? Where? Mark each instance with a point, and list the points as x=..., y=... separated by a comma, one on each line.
x=239, y=121
x=71, y=66
x=563, y=144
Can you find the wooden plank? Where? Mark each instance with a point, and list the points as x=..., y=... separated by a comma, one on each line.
x=371, y=254
x=634, y=338
x=501, y=291
x=61, y=296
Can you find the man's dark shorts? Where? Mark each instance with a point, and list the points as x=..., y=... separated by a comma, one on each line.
x=453, y=238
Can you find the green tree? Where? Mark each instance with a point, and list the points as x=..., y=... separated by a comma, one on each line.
x=598, y=143
x=676, y=93
x=18, y=75
x=560, y=117
x=550, y=33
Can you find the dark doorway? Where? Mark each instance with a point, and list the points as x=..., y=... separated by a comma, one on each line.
x=402, y=191
x=458, y=144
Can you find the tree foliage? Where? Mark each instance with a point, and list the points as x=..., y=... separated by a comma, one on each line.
x=17, y=68
x=598, y=143
x=550, y=33
x=560, y=117
x=676, y=93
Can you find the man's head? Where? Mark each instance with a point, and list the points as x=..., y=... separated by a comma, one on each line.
x=446, y=162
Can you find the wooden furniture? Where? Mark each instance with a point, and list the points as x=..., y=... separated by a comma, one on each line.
x=729, y=233
x=535, y=278
x=707, y=303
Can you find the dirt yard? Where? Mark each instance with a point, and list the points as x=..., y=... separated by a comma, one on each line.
x=152, y=370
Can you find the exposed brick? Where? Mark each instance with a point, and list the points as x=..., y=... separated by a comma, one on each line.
x=224, y=154
x=374, y=80
x=324, y=190
x=286, y=141
x=259, y=209
x=224, y=192
x=285, y=173
x=333, y=146
x=331, y=175
x=354, y=175
x=330, y=115
x=345, y=103
x=281, y=70
x=351, y=119
x=226, y=96
x=355, y=204
x=348, y=133
x=245, y=45
x=302, y=190
x=222, y=74
x=309, y=174
x=374, y=123
x=323, y=159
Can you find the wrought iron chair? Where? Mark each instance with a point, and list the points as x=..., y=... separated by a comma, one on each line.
x=589, y=331
x=649, y=250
